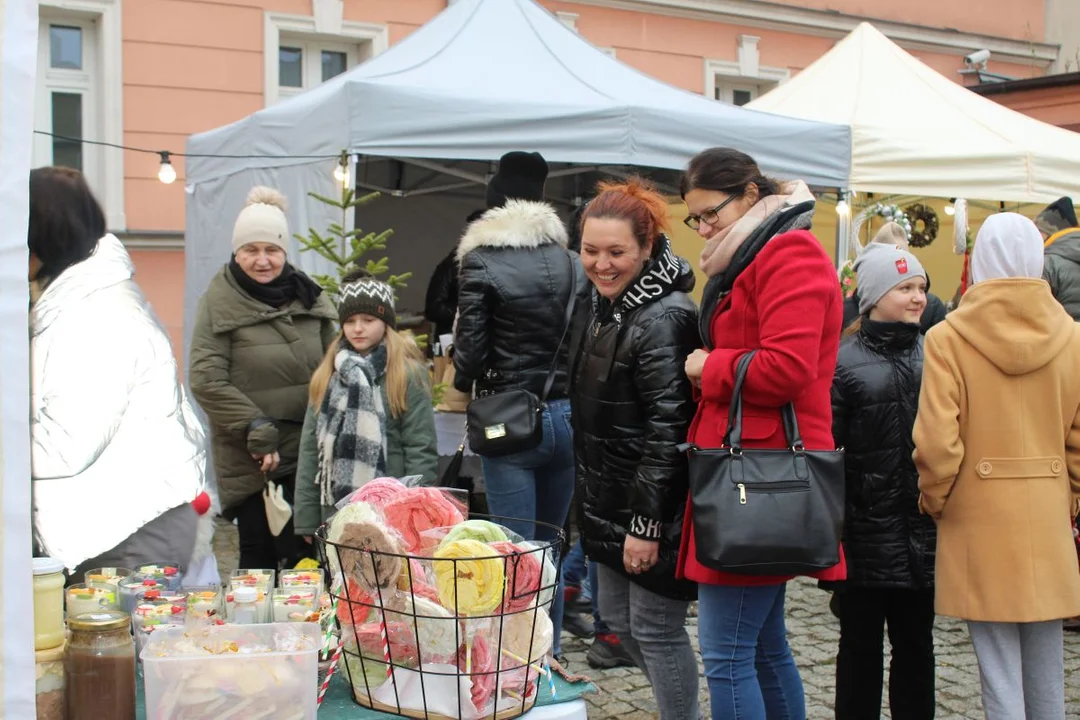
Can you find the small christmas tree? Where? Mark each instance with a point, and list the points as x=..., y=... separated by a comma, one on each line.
x=345, y=248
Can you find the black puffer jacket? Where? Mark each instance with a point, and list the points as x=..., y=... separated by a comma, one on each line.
x=632, y=405
x=516, y=279
x=440, y=303
x=875, y=396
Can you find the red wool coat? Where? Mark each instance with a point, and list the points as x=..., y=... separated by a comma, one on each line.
x=787, y=305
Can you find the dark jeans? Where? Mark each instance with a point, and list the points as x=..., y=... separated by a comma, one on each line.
x=864, y=613
x=258, y=548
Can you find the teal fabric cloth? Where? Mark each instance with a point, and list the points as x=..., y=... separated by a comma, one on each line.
x=338, y=702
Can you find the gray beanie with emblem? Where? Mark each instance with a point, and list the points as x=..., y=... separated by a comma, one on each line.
x=879, y=269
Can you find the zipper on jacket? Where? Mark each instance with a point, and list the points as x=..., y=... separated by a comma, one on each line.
x=770, y=487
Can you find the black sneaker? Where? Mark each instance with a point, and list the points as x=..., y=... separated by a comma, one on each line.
x=607, y=653
x=578, y=625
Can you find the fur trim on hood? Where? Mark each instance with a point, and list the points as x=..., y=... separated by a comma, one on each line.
x=518, y=224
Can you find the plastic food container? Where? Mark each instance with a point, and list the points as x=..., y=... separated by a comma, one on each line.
x=298, y=604
x=167, y=574
x=111, y=575
x=49, y=683
x=48, y=603
x=241, y=671
x=262, y=579
x=302, y=578
x=262, y=605
x=84, y=598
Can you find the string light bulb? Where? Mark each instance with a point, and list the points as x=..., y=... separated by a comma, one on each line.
x=950, y=209
x=341, y=171
x=842, y=207
x=166, y=173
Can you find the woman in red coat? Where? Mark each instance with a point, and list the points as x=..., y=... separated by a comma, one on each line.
x=772, y=289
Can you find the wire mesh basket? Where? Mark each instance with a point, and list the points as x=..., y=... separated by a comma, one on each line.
x=455, y=628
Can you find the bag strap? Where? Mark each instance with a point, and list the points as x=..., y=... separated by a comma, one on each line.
x=570, y=305
x=733, y=435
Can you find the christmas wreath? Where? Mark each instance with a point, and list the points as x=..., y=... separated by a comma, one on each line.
x=924, y=214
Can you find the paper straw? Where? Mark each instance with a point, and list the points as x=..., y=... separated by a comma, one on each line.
x=386, y=648
x=551, y=678
x=329, y=674
x=534, y=666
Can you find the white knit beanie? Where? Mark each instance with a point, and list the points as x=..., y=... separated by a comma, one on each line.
x=262, y=220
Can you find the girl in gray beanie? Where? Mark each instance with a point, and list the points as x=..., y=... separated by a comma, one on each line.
x=888, y=544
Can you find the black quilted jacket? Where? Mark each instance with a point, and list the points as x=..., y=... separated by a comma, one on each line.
x=875, y=396
x=515, y=281
x=632, y=405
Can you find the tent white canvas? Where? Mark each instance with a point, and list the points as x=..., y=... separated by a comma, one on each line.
x=916, y=132
x=486, y=76
x=482, y=78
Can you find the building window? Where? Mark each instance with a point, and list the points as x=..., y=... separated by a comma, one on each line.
x=739, y=93
x=79, y=96
x=303, y=65
x=66, y=103
x=301, y=54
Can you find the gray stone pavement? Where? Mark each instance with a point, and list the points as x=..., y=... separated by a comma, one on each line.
x=813, y=633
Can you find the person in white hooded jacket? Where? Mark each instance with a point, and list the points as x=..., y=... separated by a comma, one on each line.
x=117, y=452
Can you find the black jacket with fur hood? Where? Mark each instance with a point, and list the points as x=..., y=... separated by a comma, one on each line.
x=516, y=279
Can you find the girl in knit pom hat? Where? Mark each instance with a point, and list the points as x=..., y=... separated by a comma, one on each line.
x=370, y=412
x=888, y=544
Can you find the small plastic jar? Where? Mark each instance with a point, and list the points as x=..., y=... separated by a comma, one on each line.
x=48, y=603
x=99, y=667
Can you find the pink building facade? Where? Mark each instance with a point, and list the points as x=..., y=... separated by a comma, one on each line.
x=148, y=73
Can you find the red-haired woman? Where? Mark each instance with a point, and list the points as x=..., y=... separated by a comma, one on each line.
x=632, y=406
x=772, y=289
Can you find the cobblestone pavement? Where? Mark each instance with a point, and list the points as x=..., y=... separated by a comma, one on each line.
x=814, y=634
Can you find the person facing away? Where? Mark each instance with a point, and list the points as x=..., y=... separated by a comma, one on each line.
x=517, y=278
x=117, y=452
x=773, y=289
x=369, y=406
x=888, y=543
x=997, y=446
x=1061, y=268
x=441, y=300
x=632, y=405
x=261, y=329
x=892, y=233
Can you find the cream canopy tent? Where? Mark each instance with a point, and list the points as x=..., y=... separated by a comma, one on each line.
x=916, y=132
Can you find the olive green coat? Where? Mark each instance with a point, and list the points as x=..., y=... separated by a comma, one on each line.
x=411, y=449
x=251, y=363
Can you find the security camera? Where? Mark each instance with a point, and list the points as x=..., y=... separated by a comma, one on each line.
x=979, y=57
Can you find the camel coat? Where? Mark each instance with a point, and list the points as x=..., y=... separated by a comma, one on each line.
x=997, y=443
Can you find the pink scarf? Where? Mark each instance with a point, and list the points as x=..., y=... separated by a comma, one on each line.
x=721, y=247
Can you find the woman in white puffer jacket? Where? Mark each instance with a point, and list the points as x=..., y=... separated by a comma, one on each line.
x=117, y=453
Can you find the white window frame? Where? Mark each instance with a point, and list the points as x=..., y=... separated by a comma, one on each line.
x=723, y=77
x=311, y=73
x=360, y=41
x=101, y=84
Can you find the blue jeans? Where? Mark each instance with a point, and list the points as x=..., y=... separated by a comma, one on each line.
x=748, y=662
x=575, y=569
x=536, y=486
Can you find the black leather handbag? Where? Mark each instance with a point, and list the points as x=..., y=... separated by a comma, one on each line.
x=766, y=512
x=510, y=422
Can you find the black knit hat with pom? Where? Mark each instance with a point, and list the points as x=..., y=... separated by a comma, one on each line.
x=362, y=292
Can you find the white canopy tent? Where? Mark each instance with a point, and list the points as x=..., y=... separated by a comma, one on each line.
x=18, y=63
x=916, y=132
x=480, y=79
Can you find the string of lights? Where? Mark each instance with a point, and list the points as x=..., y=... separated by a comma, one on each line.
x=167, y=173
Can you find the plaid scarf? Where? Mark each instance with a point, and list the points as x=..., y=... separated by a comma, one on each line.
x=351, y=427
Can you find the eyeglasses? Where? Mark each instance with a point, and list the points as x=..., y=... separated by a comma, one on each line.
x=708, y=217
